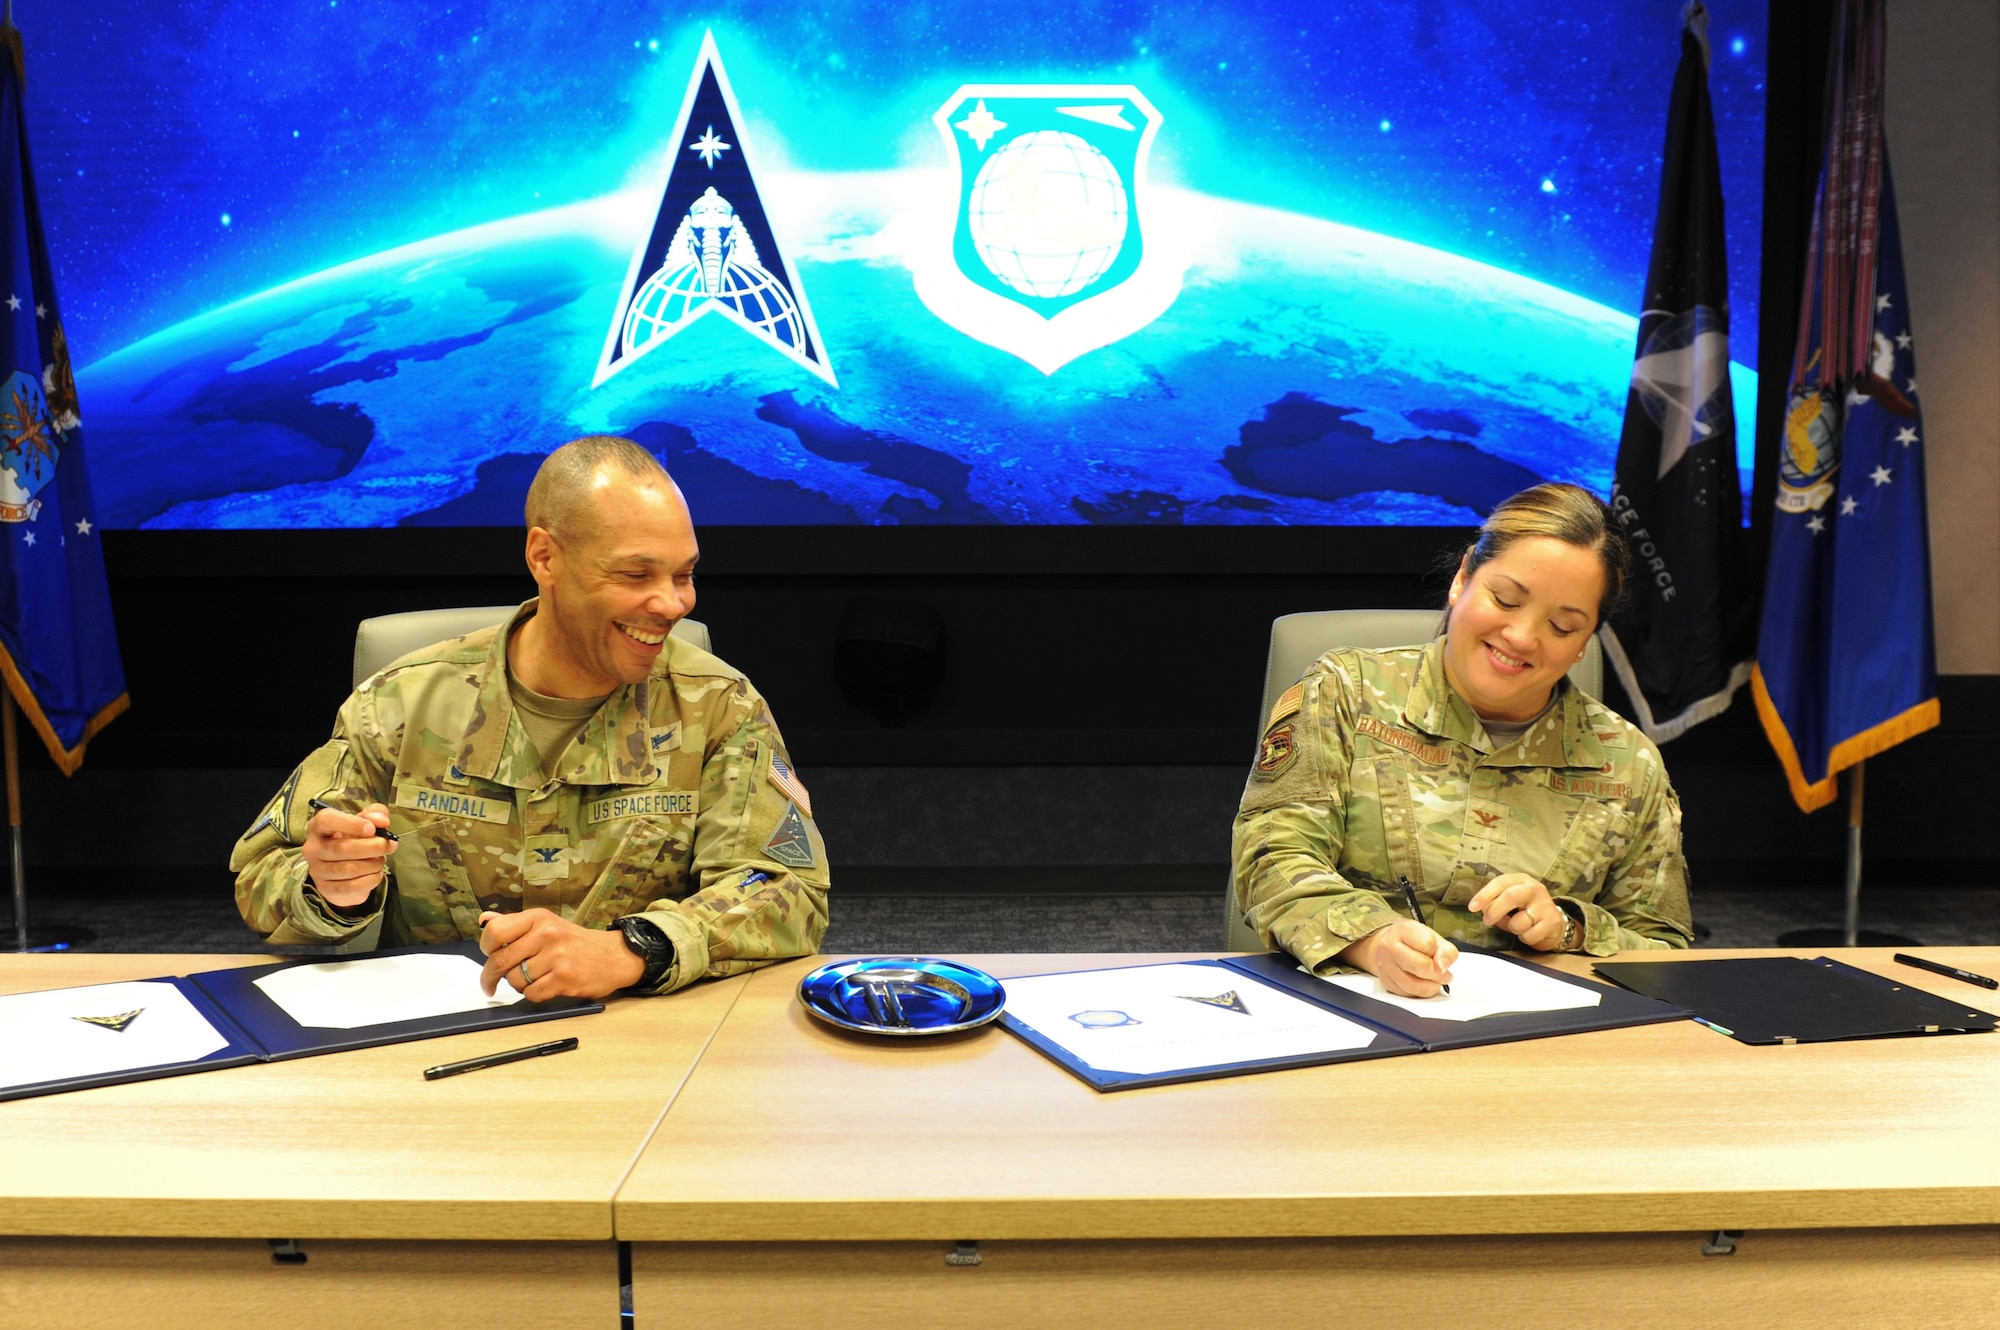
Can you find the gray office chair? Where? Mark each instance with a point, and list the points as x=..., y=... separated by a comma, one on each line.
x=1297, y=640
x=385, y=637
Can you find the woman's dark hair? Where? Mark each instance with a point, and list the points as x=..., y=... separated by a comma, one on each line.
x=1562, y=512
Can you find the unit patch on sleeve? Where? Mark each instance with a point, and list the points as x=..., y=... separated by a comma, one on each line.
x=1276, y=753
x=789, y=844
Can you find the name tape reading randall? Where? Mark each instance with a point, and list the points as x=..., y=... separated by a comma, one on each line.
x=452, y=804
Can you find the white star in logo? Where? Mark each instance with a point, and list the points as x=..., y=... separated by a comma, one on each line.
x=981, y=124
x=1684, y=379
x=1848, y=505
x=1881, y=302
x=13, y=302
x=41, y=311
x=710, y=147
x=1902, y=341
x=1815, y=524
x=1880, y=475
x=28, y=536
x=1911, y=386
x=1906, y=436
x=83, y=526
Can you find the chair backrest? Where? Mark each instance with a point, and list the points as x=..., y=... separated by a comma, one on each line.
x=382, y=639
x=1297, y=640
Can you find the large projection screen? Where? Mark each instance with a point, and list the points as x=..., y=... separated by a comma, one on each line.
x=360, y=265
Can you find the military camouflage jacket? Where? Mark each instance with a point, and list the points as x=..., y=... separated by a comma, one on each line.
x=1372, y=770
x=676, y=801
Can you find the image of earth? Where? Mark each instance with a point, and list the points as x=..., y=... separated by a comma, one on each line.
x=1308, y=373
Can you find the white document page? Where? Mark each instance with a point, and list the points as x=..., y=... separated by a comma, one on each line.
x=43, y=1039
x=1156, y=1018
x=1481, y=986
x=380, y=989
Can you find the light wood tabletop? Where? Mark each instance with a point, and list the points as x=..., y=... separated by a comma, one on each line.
x=1662, y=1127
x=351, y=1145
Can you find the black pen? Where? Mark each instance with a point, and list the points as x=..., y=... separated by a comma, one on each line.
x=438, y=1073
x=383, y=832
x=1947, y=971
x=1417, y=913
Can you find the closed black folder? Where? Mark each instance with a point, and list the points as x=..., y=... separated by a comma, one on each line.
x=1615, y=1009
x=1786, y=1000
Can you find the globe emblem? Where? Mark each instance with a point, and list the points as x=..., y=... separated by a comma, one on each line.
x=1048, y=214
x=712, y=258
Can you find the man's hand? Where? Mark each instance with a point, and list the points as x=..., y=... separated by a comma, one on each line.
x=561, y=959
x=1521, y=905
x=344, y=857
x=1409, y=959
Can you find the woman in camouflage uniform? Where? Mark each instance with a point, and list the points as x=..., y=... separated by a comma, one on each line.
x=1520, y=810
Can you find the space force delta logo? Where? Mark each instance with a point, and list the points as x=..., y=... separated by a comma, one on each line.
x=711, y=249
x=1040, y=247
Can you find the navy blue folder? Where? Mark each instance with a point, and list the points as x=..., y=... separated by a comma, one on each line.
x=259, y=1030
x=1615, y=1009
x=1387, y=1043
x=1786, y=1000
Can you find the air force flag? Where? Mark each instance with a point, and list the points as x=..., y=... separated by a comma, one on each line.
x=1682, y=648
x=58, y=644
x=711, y=249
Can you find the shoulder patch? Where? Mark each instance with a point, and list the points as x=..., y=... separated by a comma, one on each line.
x=1277, y=752
x=1435, y=754
x=789, y=844
x=1288, y=702
x=788, y=781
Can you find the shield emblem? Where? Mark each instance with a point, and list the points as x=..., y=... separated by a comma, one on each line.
x=1052, y=250
x=30, y=446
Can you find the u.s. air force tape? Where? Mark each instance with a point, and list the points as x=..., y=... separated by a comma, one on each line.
x=452, y=803
x=650, y=803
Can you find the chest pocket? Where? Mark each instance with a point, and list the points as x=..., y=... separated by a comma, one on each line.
x=645, y=841
x=434, y=883
x=1598, y=835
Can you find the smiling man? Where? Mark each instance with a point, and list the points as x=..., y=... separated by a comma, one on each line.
x=603, y=805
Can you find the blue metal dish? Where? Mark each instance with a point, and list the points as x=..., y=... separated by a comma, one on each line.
x=902, y=995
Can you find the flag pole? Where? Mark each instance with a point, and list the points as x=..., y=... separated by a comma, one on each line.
x=1852, y=923
x=10, y=739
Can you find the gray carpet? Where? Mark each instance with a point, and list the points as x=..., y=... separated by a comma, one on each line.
x=196, y=916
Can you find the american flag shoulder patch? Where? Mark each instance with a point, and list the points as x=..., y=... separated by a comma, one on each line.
x=787, y=780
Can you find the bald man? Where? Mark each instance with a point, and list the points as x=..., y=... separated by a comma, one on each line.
x=604, y=806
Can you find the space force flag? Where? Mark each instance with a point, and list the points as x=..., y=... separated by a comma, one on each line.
x=1682, y=646
x=1846, y=660
x=58, y=646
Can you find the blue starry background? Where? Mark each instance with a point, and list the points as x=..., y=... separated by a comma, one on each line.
x=192, y=156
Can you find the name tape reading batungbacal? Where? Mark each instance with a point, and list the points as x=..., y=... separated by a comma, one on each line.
x=451, y=803
x=651, y=803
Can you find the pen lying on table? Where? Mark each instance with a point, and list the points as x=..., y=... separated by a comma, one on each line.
x=1948, y=971
x=445, y=1069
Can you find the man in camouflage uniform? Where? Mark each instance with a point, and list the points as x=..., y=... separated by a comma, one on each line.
x=662, y=839
x=1372, y=770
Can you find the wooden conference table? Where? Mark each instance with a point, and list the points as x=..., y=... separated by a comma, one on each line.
x=786, y=1172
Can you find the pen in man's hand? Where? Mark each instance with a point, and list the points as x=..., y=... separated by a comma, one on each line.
x=383, y=832
x=443, y=1070
x=1947, y=971
x=1417, y=913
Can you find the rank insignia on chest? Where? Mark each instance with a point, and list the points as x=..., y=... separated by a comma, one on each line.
x=1276, y=752
x=789, y=844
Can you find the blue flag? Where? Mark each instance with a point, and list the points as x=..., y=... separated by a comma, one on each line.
x=58, y=645
x=1846, y=660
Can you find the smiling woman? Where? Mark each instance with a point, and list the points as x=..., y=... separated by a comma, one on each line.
x=1470, y=777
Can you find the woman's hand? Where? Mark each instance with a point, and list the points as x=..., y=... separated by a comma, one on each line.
x=1521, y=905
x=1409, y=959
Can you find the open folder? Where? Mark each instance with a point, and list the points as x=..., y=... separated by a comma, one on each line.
x=107, y=1034
x=1137, y=1025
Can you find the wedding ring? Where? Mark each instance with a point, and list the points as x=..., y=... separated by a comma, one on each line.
x=525, y=981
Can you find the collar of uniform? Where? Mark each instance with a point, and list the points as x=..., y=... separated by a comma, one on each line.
x=1435, y=709
x=611, y=750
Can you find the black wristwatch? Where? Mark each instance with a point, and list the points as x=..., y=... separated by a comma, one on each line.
x=649, y=944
